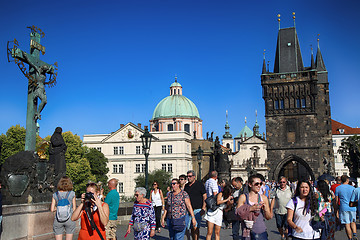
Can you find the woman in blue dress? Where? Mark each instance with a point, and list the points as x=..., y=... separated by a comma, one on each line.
x=142, y=217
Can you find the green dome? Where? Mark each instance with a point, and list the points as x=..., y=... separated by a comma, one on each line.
x=175, y=106
x=175, y=84
x=246, y=130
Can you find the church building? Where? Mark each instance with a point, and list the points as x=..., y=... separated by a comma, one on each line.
x=175, y=122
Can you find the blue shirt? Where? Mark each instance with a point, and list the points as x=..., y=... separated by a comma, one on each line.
x=344, y=192
x=113, y=199
x=355, y=197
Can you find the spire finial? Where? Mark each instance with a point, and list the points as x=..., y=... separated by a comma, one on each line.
x=279, y=20
x=264, y=53
x=245, y=120
x=294, y=18
x=256, y=114
x=226, y=115
x=318, y=40
x=175, y=78
x=312, y=52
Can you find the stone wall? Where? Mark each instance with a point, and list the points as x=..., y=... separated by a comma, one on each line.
x=35, y=221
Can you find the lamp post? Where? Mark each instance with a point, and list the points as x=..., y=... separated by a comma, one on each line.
x=146, y=142
x=199, y=158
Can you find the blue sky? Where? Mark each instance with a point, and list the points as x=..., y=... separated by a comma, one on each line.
x=117, y=59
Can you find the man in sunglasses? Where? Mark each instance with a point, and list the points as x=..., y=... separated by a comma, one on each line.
x=197, y=194
x=280, y=196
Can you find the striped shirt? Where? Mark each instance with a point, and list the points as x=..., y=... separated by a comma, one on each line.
x=211, y=187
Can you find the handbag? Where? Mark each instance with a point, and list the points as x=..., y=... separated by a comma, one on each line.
x=211, y=202
x=139, y=226
x=178, y=224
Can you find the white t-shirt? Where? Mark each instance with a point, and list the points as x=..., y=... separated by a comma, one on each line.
x=302, y=221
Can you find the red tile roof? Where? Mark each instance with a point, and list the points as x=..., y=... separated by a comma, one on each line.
x=336, y=126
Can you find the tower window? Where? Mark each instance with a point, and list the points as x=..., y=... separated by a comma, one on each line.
x=187, y=128
x=303, y=103
x=276, y=104
x=228, y=145
x=282, y=105
x=297, y=103
x=170, y=127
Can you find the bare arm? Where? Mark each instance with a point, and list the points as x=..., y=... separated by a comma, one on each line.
x=204, y=203
x=191, y=211
x=162, y=199
x=290, y=215
x=336, y=204
x=272, y=205
x=103, y=211
x=266, y=207
x=219, y=201
x=150, y=196
x=77, y=213
x=241, y=200
x=74, y=203
x=53, y=205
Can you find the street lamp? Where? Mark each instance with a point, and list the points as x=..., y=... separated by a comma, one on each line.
x=199, y=158
x=146, y=142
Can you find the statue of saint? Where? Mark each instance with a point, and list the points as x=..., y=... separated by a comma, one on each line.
x=57, y=151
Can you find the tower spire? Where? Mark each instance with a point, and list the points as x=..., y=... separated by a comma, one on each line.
x=319, y=62
x=227, y=127
x=264, y=64
x=312, y=58
x=279, y=20
x=294, y=18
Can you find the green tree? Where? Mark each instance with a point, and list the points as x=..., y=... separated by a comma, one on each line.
x=13, y=142
x=98, y=164
x=350, y=152
x=162, y=177
x=77, y=166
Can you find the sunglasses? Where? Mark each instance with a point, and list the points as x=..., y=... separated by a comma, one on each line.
x=173, y=183
x=136, y=195
x=257, y=184
x=282, y=182
x=190, y=175
x=182, y=179
x=154, y=184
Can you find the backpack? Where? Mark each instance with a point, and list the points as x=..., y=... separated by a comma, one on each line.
x=63, y=209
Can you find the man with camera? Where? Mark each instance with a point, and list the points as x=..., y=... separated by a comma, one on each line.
x=112, y=199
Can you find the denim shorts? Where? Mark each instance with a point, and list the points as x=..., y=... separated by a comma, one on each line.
x=258, y=236
x=281, y=220
x=347, y=217
x=198, y=218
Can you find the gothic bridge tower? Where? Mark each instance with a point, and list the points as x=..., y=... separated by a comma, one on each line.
x=297, y=112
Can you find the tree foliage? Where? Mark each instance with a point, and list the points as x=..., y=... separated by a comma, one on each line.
x=98, y=164
x=77, y=166
x=13, y=142
x=350, y=152
x=162, y=177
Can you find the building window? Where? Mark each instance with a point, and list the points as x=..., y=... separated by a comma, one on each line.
x=163, y=167
x=276, y=104
x=116, y=150
x=121, y=150
x=282, y=105
x=228, y=145
x=138, y=150
x=142, y=167
x=335, y=157
x=169, y=148
x=303, y=103
x=239, y=146
x=297, y=103
x=187, y=128
x=170, y=167
x=334, y=143
x=121, y=187
x=170, y=127
x=163, y=149
x=98, y=148
x=121, y=168
x=115, y=168
x=137, y=168
x=341, y=130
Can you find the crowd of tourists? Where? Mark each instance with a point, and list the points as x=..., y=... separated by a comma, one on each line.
x=302, y=209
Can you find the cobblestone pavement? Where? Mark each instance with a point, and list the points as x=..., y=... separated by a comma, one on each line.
x=224, y=233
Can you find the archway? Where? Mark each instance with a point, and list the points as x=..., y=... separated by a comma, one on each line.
x=294, y=168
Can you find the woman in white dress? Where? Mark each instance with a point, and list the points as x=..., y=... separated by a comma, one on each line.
x=157, y=199
x=216, y=217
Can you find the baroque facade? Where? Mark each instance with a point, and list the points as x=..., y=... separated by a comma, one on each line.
x=174, y=124
x=297, y=111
